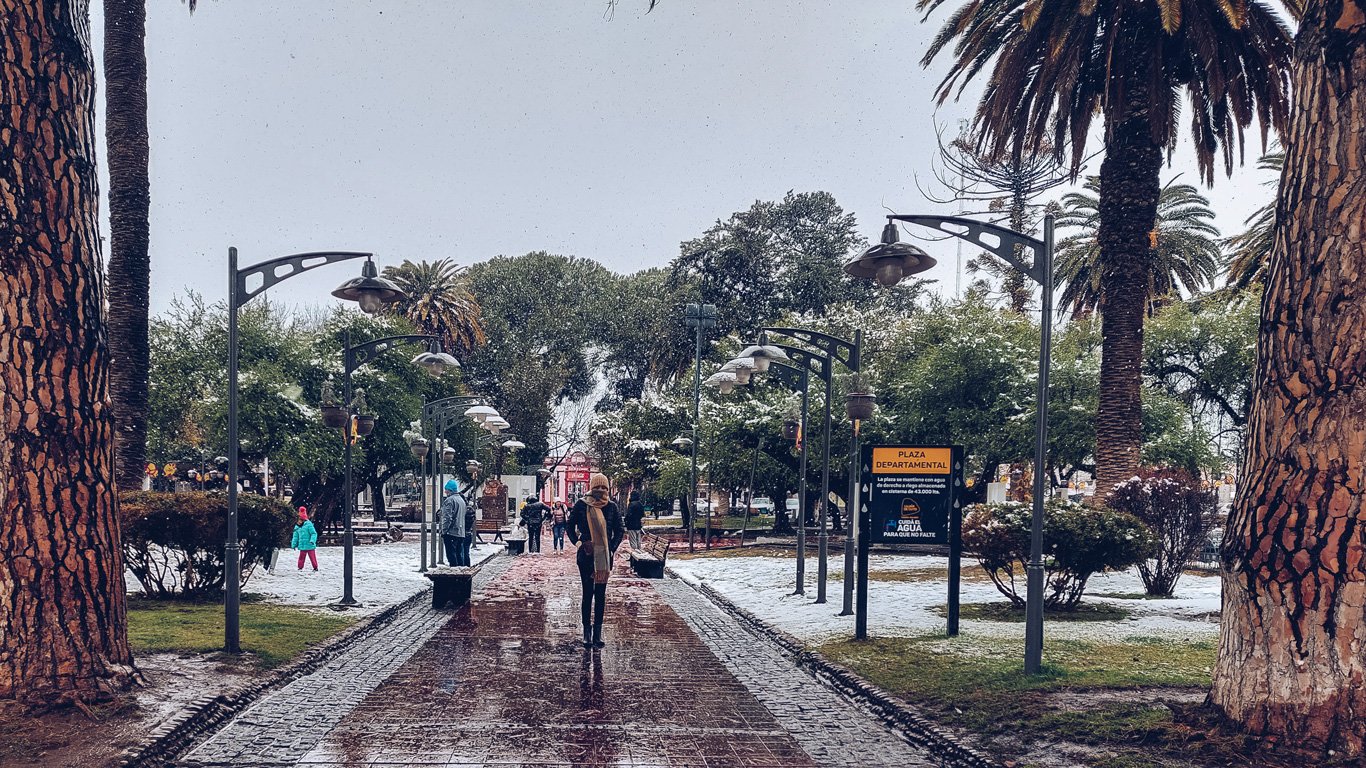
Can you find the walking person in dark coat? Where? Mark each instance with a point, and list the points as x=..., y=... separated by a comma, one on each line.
x=533, y=517
x=595, y=526
x=635, y=517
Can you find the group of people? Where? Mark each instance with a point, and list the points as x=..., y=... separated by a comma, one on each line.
x=594, y=525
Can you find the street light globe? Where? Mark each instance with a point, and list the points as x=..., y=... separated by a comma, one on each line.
x=890, y=260
x=681, y=442
x=448, y=456
x=763, y=355
x=370, y=291
x=481, y=413
x=722, y=380
x=514, y=444
x=435, y=363
x=742, y=367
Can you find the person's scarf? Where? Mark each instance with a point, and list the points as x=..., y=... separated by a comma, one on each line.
x=597, y=528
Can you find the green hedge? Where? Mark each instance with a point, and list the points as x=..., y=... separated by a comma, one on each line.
x=174, y=542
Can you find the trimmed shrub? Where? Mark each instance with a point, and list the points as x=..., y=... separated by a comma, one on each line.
x=1180, y=515
x=173, y=542
x=1078, y=541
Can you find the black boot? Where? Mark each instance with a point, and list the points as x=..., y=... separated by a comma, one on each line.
x=587, y=638
x=597, y=636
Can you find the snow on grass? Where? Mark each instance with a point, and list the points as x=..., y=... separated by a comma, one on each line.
x=764, y=585
x=383, y=574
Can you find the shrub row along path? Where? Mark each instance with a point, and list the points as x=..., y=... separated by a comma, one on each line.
x=506, y=681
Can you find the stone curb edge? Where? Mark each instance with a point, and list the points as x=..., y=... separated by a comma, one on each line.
x=201, y=717
x=918, y=729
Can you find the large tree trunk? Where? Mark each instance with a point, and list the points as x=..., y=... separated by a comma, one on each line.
x=125, y=100
x=1129, y=188
x=1292, y=649
x=63, y=633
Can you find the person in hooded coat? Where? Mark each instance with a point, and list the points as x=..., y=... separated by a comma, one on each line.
x=595, y=526
x=635, y=519
x=453, y=524
x=305, y=539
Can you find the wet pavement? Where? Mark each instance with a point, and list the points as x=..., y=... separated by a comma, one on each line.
x=506, y=681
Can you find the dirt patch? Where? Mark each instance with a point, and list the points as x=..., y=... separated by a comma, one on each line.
x=1080, y=701
x=69, y=737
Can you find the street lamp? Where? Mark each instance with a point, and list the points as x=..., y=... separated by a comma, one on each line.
x=244, y=284
x=441, y=415
x=699, y=317
x=890, y=260
x=850, y=355
x=819, y=364
x=859, y=405
x=352, y=359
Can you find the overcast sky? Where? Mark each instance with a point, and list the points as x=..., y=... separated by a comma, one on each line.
x=472, y=129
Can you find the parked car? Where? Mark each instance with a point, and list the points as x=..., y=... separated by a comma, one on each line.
x=762, y=505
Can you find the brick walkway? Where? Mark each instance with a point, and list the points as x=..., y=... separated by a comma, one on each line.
x=506, y=681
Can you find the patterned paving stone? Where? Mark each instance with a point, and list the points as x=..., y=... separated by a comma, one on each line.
x=282, y=727
x=831, y=729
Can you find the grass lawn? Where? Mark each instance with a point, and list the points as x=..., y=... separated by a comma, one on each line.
x=1104, y=697
x=274, y=633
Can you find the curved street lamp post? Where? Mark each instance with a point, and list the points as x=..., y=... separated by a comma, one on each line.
x=850, y=355
x=352, y=359
x=699, y=317
x=890, y=260
x=798, y=379
x=440, y=415
x=244, y=284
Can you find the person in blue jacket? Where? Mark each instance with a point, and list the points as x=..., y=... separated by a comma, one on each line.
x=453, y=525
x=305, y=539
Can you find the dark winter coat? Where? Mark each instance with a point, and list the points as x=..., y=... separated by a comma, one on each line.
x=635, y=513
x=579, y=531
x=534, y=514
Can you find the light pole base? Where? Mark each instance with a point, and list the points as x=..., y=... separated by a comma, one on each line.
x=344, y=604
x=845, y=613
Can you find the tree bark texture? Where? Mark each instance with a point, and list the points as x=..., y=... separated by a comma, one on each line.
x=1292, y=648
x=1129, y=188
x=125, y=99
x=63, y=633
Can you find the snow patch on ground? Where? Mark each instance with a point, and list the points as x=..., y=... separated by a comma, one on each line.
x=764, y=586
x=383, y=574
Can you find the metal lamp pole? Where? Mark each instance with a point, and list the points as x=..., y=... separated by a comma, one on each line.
x=890, y=260
x=697, y=317
x=799, y=380
x=438, y=414
x=243, y=287
x=353, y=358
x=850, y=354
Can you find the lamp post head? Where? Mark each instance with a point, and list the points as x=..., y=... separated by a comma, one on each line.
x=681, y=442
x=762, y=355
x=481, y=413
x=448, y=455
x=370, y=291
x=722, y=380
x=890, y=260
x=514, y=445
x=435, y=363
x=743, y=368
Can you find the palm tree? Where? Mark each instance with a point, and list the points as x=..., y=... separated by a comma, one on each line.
x=439, y=302
x=1250, y=251
x=1185, y=253
x=125, y=132
x=1055, y=65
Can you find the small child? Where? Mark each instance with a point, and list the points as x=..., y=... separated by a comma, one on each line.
x=305, y=539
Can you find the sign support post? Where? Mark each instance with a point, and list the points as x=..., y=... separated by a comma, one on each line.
x=911, y=496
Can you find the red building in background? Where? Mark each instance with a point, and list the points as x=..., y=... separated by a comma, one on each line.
x=568, y=477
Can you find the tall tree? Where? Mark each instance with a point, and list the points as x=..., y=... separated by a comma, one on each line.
x=1055, y=65
x=1292, y=650
x=125, y=131
x=439, y=302
x=1007, y=190
x=63, y=627
x=1184, y=253
x=1250, y=250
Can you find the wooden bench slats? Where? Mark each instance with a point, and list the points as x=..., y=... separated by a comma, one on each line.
x=648, y=561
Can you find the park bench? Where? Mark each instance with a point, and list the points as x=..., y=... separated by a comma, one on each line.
x=451, y=584
x=648, y=561
x=498, y=528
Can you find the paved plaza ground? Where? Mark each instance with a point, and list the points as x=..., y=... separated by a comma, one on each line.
x=506, y=681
